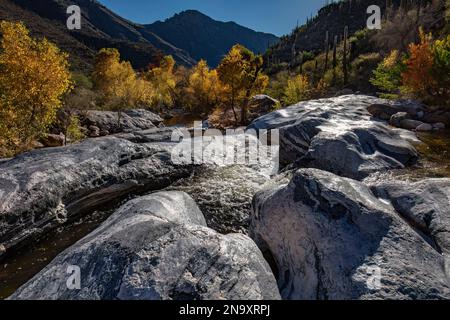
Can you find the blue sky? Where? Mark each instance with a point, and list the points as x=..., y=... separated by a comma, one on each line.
x=275, y=16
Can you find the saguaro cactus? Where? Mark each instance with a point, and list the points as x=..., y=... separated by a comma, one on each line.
x=327, y=50
x=344, y=59
x=335, y=58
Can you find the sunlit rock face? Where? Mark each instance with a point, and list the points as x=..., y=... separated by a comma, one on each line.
x=157, y=247
x=329, y=237
x=339, y=135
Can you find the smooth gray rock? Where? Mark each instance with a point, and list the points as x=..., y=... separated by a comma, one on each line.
x=163, y=134
x=41, y=189
x=130, y=120
x=157, y=247
x=410, y=124
x=425, y=205
x=424, y=127
x=438, y=126
x=340, y=136
x=329, y=237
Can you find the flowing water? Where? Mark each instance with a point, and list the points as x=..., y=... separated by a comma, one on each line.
x=434, y=161
x=24, y=264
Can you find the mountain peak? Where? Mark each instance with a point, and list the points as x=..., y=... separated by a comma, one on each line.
x=206, y=38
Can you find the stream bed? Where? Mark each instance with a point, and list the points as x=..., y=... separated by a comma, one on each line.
x=17, y=269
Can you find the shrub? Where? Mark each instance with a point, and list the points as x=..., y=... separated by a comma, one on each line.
x=334, y=77
x=74, y=130
x=277, y=85
x=441, y=69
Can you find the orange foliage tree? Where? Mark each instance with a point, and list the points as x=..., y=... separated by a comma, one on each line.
x=418, y=79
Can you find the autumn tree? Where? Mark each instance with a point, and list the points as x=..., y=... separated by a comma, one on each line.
x=164, y=81
x=34, y=76
x=441, y=69
x=241, y=72
x=118, y=83
x=204, y=88
x=417, y=79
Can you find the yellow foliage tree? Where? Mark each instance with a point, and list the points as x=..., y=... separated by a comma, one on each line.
x=118, y=83
x=241, y=72
x=204, y=88
x=298, y=89
x=164, y=82
x=34, y=76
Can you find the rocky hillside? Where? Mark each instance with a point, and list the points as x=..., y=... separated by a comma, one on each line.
x=205, y=38
x=332, y=18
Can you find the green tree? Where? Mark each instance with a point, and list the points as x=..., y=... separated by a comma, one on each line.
x=388, y=75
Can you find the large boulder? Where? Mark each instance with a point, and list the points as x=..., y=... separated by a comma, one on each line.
x=329, y=237
x=340, y=136
x=130, y=120
x=157, y=247
x=43, y=188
